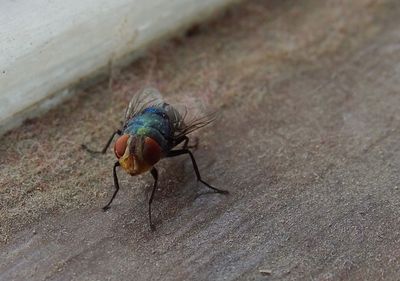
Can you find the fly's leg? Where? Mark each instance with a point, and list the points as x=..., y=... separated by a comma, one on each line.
x=178, y=152
x=117, y=132
x=193, y=146
x=116, y=185
x=154, y=173
x=185, y=141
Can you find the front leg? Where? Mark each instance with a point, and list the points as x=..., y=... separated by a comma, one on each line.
x=104, y=150
x=116, y=185
x=154, y=173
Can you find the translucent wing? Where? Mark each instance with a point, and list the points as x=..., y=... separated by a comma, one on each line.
x=143, y=98
x=188, y=126
x=187, y=116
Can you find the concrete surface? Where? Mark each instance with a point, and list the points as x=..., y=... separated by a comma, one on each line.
x=307, y=142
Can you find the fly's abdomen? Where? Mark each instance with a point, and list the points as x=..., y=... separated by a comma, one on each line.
x=153, y=122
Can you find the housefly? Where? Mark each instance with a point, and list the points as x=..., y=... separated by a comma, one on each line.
x=152, y=130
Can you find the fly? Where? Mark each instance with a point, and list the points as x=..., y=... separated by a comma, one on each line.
x=152, y=130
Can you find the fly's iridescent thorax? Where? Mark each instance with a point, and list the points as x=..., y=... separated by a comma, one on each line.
x=153, y=122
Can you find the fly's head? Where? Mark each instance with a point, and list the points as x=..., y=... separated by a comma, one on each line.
x=137, y=154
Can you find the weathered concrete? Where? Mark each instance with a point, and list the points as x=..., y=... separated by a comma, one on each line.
x=307, y=143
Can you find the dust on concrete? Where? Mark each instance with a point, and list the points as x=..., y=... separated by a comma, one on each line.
x=306, y=142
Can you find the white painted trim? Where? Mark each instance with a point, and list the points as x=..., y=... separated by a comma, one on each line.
x=47, y=45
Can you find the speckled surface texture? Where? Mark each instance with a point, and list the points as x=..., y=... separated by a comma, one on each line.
x=307, y=142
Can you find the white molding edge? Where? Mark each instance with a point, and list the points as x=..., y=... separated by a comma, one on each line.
x=46, y=46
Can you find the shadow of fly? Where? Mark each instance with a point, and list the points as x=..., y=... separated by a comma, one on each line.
x=152, y=130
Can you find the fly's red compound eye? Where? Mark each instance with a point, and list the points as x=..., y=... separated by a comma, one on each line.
x=151, y=151
x=120, y=145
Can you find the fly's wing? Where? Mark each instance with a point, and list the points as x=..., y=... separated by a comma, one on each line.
x=174, y=116
x=187, y=119
x=143, y=98
x=189, y=125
